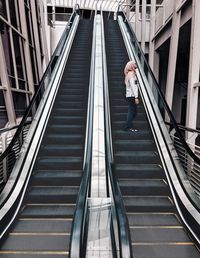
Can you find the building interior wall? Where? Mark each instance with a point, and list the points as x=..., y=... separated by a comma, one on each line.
x=22, y=51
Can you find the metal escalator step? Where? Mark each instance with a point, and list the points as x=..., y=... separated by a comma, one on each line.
x=69, y=104
x=153, y=219
x=174, y=234
x=119, y=102
x=73, y=76
x=73, y=69
x=124, y=108
x=37, y=243
x=74, y=66
x=59, y=119
x=124, y=135
x=123, y=116
x=143, y=124
x=73, y=84
x=75, y=59
x=136, y=157
x=78, y=97
x=48, y=211
x=69, y=111
x=80, y=81
x=52, y=194
x=68, y=138
x=148, y=204
x=64, y=129
x=138, y=145
x=174, y=250
x=139, y=171
x=62, y=150
x=58, y=162
x=56, y=177
x=27, y=254
x=42, y=226
x=151, y=187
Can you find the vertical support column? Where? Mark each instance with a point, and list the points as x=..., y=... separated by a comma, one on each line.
x=12, y=49
x=45, y=30
x=53, y=13
x=137, y=4
x=128, y=8
x=6, y=83
x=26, y=48
x=143, y=29
x=36, y=37
x=156, y=65
x=152, y=32
x=194, y=67
x=172, y=57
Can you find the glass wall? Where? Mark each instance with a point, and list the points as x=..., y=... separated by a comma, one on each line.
x=18, y=80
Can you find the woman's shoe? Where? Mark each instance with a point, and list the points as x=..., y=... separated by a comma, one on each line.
x=133, y=130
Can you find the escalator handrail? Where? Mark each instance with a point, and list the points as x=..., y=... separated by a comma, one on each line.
x=184, y=128
x=41, y=84
x=77, y=241
x=122, y=221
x=171, y=116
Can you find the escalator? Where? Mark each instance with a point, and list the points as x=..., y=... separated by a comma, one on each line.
x=155, y=226
x=43, y=225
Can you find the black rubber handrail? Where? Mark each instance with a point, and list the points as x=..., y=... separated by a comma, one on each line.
x=41, y=84
x=184, y=128
x=165, y=105
x=122, y=221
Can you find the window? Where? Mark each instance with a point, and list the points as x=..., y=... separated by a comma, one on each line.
x=3, y=112
x=33, y=63
x=18, y=54
x=20, y=105
x=159, y=1
x=29, y=27
x=7, y=49
x=13, y=14
x=3, y=9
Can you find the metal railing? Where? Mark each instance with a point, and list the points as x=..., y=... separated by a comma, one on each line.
x=191, y=168
x=62, y=17
x=18, y=139
x=164, y=111
x=6, y=135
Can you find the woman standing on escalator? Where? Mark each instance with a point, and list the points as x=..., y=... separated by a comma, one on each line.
x=131, y=94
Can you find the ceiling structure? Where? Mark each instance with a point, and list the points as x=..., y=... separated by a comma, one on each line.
x=106, y=5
